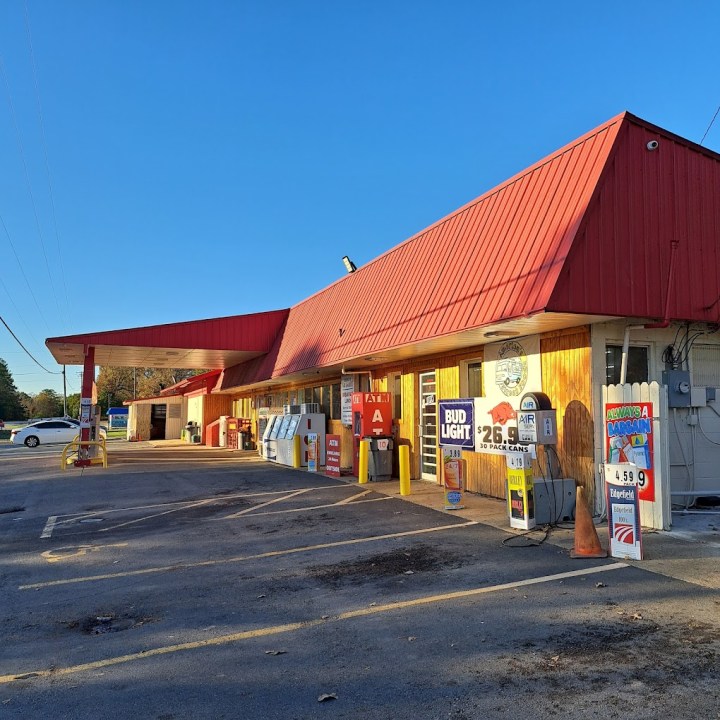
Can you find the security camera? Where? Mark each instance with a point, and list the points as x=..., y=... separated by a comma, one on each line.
x=653, y=145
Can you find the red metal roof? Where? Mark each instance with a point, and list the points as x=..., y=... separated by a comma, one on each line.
x=199, y=344
x=647, y=201
x=204, y=382
x=496, y=258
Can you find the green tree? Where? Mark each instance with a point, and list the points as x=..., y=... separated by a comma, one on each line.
x=47, y=403
x=114, y=386
x=11, y=407
x=73, y=405
x=152, y=380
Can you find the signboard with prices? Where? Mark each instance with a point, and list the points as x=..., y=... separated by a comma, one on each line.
x=629, y=439
x=621, y=485
x=312, y=452
x=332, y=455
x=453, y=477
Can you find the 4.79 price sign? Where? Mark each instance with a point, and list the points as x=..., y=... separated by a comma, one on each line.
x=496, y=430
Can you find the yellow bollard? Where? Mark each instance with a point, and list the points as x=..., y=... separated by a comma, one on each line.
x=363, y=461
x=404, y=451
x=297, y=458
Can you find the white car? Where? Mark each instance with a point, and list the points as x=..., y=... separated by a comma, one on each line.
x=46, y=432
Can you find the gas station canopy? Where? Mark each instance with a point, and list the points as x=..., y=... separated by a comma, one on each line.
x=217, y=343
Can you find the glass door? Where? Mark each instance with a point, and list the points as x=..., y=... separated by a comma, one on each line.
x=428, y=426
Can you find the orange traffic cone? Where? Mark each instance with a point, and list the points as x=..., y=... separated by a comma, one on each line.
x=587, y=543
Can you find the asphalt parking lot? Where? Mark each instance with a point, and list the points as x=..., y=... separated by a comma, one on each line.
x=208, y=584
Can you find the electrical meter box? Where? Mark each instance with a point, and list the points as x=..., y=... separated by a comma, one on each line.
x=678, y=385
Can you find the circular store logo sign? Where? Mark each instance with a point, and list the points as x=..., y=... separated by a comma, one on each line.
x=511, y=369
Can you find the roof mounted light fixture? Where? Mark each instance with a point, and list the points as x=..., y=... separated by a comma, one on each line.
x=500, y=333
x=349, y=264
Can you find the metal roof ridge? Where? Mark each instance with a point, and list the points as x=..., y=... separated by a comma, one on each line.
x=637, y=120
x=619, y=118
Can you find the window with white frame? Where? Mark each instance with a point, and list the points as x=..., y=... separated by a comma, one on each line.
x=637, y=364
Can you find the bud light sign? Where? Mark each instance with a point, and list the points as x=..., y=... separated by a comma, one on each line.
x=456, y=423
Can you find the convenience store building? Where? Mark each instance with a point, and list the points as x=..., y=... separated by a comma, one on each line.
x=605, y=252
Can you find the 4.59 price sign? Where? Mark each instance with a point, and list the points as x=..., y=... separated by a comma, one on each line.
x=496, y=428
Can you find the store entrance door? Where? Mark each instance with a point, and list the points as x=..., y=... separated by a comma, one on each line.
x=158, y=418
x=428, y=426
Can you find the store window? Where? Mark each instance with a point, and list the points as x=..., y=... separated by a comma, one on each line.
x=471, y=378
x=637, y=364
x=323, y=399
x=396, y=390
x=336, y=402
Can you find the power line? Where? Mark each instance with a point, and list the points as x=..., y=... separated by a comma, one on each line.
x=12, y=302
x=22, y=270
x=45, y=152
x=27, y=179
x=29, y=354
x=710, y=125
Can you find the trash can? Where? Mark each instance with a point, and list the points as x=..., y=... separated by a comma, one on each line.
x=380, y=457
x=192, y=430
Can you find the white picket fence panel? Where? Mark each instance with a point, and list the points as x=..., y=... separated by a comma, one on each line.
x=657, y=514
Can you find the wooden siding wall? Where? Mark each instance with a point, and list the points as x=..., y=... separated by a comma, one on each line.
x=335, y=427
x=142, y=421
x=175, y=425
x=214, y=407
x=567, y=379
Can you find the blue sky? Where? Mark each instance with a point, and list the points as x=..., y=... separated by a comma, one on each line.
x=163, y=161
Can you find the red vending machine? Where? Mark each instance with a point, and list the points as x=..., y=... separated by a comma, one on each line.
x=372, y=417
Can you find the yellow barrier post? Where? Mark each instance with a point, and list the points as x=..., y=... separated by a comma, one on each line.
x=404, y=452
x=363, y=461
x=297, y=458
x=76, y=444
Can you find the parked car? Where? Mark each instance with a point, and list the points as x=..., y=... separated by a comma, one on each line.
x=46, y=432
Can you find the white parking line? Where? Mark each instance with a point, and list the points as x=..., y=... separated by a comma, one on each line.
x=319, y=507
x=243, y=558
x=49, y=527
x=249, y=510
x=74, y=517
x=155, y=515
x=353, y=497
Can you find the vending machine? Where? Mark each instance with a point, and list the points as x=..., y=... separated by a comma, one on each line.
x=297, y=425
x=371, y=417
x=269, y=438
